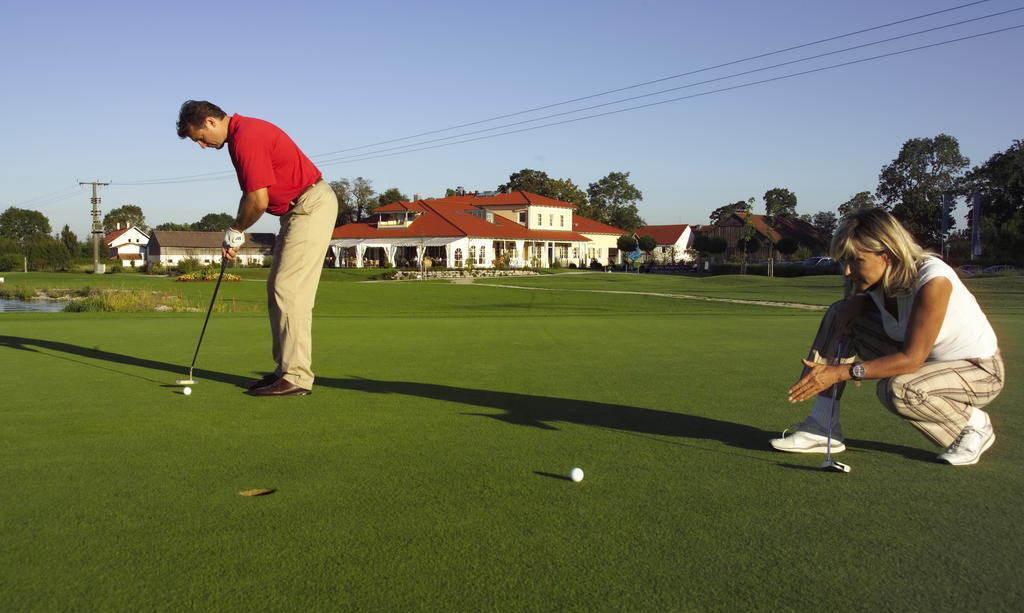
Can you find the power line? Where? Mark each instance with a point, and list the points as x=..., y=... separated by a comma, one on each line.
x=664, y=91
x=219, y=175
x=53, y=196
x=691, y=96
x=660, y=80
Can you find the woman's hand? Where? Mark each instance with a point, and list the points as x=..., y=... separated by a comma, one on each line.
x=819, y=378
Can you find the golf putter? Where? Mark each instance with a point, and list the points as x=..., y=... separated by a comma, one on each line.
x=829, y=464
x=190, y=380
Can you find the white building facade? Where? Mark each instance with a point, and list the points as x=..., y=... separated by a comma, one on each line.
x=476, y=231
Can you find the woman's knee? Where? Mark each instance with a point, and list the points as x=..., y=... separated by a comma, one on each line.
x=897, y=395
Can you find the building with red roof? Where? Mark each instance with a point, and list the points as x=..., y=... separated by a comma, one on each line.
x=479, y=230
x=768, y=231
x=127, y=244
x=673, y=242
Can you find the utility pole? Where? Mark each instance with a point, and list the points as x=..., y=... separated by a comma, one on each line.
x=97, y=227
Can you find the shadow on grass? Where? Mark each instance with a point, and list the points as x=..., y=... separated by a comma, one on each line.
x=542, y=411
x=517, y=409
x=95, y=353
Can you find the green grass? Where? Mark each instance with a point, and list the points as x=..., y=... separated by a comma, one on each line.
x=427, y=470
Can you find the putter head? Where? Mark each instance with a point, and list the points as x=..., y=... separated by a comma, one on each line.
x=836, y=467
x=185, y=382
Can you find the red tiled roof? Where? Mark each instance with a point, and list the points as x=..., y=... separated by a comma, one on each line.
x=584, y=224
x=665, y=235
x=110, y=237
x=452, y=216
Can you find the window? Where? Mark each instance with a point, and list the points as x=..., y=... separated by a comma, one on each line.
x=472, y=253
x=522, y=217
x=540, y=219
x=561, y=221
x=575, y=253
x=483, y=256
x=551, y=219
x=458, y=257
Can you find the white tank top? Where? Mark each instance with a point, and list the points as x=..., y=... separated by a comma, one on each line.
x=965, y=333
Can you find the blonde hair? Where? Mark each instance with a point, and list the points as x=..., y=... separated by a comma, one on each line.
x=877, y=231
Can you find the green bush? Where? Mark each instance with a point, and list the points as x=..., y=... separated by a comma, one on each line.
x=188, y=265
x=10, y=261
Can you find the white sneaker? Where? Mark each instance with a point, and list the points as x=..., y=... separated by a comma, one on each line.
x=809, y=436
x=968, y=447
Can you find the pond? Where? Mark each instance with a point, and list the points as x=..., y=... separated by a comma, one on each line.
x=30, y=306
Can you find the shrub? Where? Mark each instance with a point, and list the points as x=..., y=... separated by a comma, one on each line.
x=10, y=261
x=188, y=265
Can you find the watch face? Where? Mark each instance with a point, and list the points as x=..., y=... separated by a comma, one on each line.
x=858, y=371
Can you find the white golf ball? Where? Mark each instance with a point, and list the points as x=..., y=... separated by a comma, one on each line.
x=576, y=474
x=187, y=391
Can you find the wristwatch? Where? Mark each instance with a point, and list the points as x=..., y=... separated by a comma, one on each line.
x=857, y=371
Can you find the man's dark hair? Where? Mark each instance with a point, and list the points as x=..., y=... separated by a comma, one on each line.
x=194, y=112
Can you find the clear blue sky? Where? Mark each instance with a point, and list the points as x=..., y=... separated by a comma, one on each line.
x=91, y=92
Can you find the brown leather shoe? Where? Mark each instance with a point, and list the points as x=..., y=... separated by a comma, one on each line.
x=265, y=381
x=281, y=387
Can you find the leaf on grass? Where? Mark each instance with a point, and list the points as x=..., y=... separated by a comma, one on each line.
x=257, y=492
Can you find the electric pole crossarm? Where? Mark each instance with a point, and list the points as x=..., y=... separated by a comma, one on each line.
x=97, y=226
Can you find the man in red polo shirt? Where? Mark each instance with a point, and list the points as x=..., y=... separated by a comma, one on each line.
x=276, y=178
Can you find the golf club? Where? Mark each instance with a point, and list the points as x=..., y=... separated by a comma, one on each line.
x=829, y=464
x=190, y=380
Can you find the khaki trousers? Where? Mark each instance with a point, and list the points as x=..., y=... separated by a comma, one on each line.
x=937, y=399
x=294, y=276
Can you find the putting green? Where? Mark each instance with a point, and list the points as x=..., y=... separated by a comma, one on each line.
x=429, y=468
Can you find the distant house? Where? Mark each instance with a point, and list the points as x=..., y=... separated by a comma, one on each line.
x=673, y=241
x=127, y=244
x=481, y=230
x=768, y=231
x=168, y=248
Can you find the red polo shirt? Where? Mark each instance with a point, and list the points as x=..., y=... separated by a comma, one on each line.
x=264, y=156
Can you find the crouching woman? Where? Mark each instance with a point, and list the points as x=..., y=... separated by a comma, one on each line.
x=911, y=324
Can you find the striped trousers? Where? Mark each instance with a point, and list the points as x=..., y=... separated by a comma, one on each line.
x=937, y=399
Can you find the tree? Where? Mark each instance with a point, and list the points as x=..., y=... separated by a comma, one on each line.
x=125, y=217
x=566, y=191
x=724, y=212
x=70, y=241
x=861, y=200
x=912, y=185
x=749, y=245
x=747, y=236
x=391, y=195
x=780, y=202
x=170, y=226
x=362, y=196
x=1000, y=181
x=627, y=243
x=538, y=182
x=787, y=246
x=825, y=221
x=707, y=245
x=527, y=180
x=22, y=225
x=346, y=209
x=648, y=244
x=45, y=253
x=213, y=222
x=613, y=200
